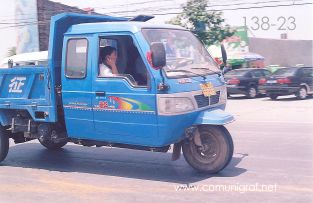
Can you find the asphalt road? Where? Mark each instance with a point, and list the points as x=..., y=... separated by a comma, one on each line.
x=273, y=162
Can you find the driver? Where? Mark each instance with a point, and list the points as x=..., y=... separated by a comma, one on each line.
x=108, y=56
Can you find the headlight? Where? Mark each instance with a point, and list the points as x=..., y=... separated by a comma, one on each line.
x=174, y=105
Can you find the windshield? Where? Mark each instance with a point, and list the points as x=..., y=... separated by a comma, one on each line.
x=185, y=54
x=237, y=72
x=285, y=72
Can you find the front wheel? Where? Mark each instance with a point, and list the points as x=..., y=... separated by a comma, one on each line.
x=273, y=96
x=215, y=152
x=302, y=93
x=4, y=143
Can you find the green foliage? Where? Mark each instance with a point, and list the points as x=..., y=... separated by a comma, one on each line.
x=209, y=26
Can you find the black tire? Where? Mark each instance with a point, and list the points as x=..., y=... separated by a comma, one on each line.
x=49, y=144
x=217, y=156
x=302, y=93
x=4, y=143
x=45, y=132
x=273, y=96
x=252, y=93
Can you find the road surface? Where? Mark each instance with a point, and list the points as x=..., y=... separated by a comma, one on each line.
x=273, y=162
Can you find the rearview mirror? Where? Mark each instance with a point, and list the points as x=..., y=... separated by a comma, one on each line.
x=158, y=55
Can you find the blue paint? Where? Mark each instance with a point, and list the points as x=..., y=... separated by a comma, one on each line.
x=214, y=117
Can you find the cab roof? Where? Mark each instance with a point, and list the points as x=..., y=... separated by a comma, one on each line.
x=124, y=26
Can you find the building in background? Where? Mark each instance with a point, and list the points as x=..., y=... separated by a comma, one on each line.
x=238, y=51
x=27, y=29
x=33, y=20
x=244, y=51
x=283, y=52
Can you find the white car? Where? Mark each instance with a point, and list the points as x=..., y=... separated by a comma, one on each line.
x=26, y=59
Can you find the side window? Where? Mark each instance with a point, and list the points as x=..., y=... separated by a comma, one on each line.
x=266, y=73
x=120, y=58
x=107, y=43
x=248, y=75
x=76, y=58
x=307, y=72
x=257, y=74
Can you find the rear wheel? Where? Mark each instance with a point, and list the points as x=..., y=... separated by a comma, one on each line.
x=215, y=152
x=47, y=133
x=273, y=96
x=4, y=143
x=302, y=93
x=252, y=92
x=49, y=144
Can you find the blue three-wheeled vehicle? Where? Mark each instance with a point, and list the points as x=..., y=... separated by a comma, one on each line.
x=168, y=92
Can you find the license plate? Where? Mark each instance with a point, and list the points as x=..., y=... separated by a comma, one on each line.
x=208, y=89
x=271, y=81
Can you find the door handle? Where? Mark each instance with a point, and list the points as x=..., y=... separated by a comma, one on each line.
x=100, y=93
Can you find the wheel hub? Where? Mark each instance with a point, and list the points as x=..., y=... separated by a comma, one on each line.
x=302, y=93
x=209, y=148
x=252, y=92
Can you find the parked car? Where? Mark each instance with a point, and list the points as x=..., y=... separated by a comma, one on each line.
x=288, y=81
x=245, y=81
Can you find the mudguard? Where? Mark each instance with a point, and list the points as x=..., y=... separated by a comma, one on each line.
x=214, y=117
x=5, y=117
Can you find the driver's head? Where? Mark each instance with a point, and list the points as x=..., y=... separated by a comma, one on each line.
x=108, y=53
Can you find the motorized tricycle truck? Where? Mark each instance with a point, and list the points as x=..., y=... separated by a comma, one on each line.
x=168, y=92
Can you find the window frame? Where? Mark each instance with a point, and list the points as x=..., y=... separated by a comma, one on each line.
x=66, y=57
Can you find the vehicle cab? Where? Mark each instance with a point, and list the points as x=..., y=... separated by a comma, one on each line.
x=131, y=103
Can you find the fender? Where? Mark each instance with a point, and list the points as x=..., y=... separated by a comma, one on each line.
x=306, y=86
x=214, y=117
x=5, y=117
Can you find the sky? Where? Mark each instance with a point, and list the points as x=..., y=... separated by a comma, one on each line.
x=7, y=35
x=301, y=15
x=299, y=19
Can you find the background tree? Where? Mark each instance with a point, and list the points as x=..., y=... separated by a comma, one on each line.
x=208, y=26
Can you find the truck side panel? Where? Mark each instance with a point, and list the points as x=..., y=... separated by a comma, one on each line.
x=25, y=88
